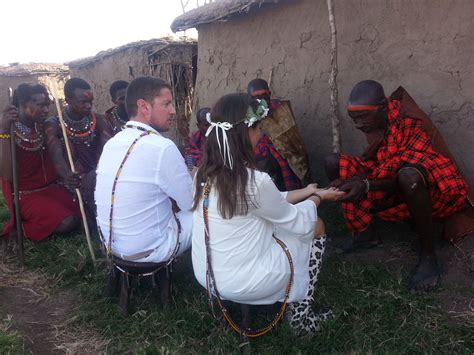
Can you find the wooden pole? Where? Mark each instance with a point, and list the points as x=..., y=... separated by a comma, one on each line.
x=73, y=169
x=16, y=192
x=334, y=112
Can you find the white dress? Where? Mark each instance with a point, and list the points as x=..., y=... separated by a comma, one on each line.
x=249, y=266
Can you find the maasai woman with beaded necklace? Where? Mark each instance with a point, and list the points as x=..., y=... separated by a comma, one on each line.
x=251, y=243
x=46, y=207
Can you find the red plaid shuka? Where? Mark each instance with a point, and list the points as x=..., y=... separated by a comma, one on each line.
x=263, y=148
x=196, y=147
x=405, y=142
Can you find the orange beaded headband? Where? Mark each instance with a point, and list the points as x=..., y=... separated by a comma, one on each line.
x=362, y=107
x=260, y=92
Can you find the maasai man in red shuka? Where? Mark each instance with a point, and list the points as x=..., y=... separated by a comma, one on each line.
x=195, y=149
x=87, y=133
x=400, y=176
x=45, y=206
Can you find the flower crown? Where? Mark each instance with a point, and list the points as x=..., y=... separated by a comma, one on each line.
x=252, y=117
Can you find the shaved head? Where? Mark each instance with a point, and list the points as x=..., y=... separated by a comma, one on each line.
x=367, y=92
x=257, y=85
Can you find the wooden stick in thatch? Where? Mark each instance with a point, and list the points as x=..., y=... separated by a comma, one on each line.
x=73, y=169
x=16, y=191
x=334, y=112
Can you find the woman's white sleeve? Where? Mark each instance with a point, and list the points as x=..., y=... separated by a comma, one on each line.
x=273, y=207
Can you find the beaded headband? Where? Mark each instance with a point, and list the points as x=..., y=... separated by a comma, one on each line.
x=362, y=107
x=251, y=117
x=260, y=92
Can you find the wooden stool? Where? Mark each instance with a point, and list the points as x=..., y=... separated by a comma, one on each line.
x=124, y=273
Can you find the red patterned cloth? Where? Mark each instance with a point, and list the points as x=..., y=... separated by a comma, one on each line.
x=196, y=147
x=405, y=142
x=43, y=203
x=264, y=148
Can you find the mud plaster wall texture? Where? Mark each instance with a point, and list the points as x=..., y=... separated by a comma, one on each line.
x=54, y=83
x=124, y=65
x=427, y=46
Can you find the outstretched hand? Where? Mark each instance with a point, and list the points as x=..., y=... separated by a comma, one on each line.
x=331, y=194
x=10, y=115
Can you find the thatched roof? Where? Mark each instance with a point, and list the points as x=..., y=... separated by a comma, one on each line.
x=33, y=69
x=220, y=10
x=164, y=42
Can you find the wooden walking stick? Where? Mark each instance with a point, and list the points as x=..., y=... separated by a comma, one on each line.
x=73, y=169
x=16, y=191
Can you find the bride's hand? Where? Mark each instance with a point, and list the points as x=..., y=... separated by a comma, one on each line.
x=312, y=189
x=330, y=194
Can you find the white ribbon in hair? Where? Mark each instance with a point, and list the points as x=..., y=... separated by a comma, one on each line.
x=224, y=149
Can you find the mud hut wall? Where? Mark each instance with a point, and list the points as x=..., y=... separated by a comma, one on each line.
x=54, y=82
x=426, y=46
x=100, y=74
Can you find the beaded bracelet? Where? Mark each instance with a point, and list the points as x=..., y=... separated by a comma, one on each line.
x=5, y=136
x=318, y=196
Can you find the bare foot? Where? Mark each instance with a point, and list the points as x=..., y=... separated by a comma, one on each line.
x=425, y=276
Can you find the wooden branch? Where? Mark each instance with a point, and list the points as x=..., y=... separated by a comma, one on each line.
x=73, y=169
x=16, y=190
x=334, y=110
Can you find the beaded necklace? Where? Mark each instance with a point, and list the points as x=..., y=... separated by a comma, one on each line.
x=146, y=132
x=27, y=138
x=117, y=121
x=81, y=131
x=211, y=281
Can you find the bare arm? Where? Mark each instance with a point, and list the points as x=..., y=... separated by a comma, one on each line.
x=55, y=151
x=313, y=193
x=299, y=195
x=104, y=129
x=10, y=115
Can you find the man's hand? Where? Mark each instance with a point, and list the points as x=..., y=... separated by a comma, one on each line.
x=354, y=189
x=10, y=115
x=336, y=183
x=71, y=179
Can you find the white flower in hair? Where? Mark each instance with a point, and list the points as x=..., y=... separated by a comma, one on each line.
x=259, y=114
x=250, y=121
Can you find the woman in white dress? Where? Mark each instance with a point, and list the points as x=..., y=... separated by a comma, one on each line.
x=252, y=227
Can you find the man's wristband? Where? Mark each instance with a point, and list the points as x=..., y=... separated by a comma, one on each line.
x=367, y=185
x=5, y=136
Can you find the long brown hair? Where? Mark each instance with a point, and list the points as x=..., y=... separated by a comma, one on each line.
x=230, y=184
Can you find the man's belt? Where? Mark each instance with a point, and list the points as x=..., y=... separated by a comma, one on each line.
x=136, y=256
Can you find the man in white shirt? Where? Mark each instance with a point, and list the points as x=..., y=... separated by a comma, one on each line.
x=138, y=174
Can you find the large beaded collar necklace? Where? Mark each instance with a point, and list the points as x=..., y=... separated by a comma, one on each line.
x=27, y=138
x=117, y=121
x=80, y=131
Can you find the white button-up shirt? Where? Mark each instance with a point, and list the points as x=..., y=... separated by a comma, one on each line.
x=153, y=173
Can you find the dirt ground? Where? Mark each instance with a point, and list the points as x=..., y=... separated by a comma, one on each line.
x=41, y=316
x=397, y=255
